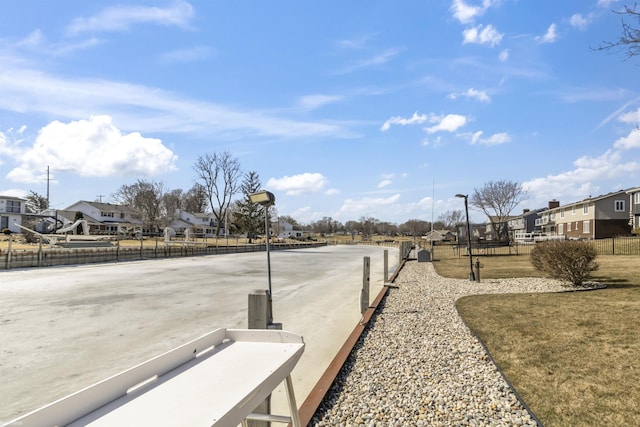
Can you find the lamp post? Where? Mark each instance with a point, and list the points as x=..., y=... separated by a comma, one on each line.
x=266, y=199
x=472, y=276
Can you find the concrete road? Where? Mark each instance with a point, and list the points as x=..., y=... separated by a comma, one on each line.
x=64, y=328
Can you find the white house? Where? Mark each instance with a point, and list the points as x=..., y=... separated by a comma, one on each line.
x=11, y=211
x=102, y=218
x=202, y=224
x=286, y=231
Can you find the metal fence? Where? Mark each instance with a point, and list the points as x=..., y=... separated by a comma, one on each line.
x=610, y=246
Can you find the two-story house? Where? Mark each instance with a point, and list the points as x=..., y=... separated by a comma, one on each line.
x=523, y=226
x=102, y=218
x=594, y=217
x=547, y=218
x=199, y=224
x=634, y=207
x=11, y=211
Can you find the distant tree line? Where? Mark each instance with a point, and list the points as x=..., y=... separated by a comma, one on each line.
x=222, y=188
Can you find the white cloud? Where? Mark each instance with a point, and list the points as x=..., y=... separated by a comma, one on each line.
x=630, y=141
x=472, y=93
x=495, y=139
x=93, y=147
x=379, y=59
x=504, y=55
x=332, y=192
x=466, y=13
x=146, y=109
x=632, y=117
x=122, y=18
x=580, y=182
x=193, y=54
x=448, y=123
x=384, y=183
x=366, y=205
x=482, y=35
x=550, y=36
x=606, y=3
x=398, y=120
x=312, y=102
x=298, y=185
x=579, y=21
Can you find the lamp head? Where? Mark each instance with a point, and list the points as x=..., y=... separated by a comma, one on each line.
x=463, y=196
x=264, y=198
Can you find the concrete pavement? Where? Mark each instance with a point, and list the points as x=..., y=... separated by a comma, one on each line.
x=64, y=328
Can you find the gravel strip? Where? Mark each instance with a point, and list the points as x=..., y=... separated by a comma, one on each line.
x=417, y=364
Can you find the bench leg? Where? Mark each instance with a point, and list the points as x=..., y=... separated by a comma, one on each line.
x=293, y=407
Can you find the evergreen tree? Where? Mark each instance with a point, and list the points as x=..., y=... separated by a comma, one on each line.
x=248, y=217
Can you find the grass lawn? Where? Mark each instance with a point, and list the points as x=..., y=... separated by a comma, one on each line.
x=573, y=357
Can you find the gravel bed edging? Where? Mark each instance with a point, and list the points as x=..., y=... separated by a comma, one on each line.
x=418, y=363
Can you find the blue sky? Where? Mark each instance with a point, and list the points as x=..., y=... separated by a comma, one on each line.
x=381, y=109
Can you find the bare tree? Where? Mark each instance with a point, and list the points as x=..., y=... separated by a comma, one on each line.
x=195, y=200
x=147, y=197
x=630, y=38
x=219, y=175
x=450, y=219
x=497, y=199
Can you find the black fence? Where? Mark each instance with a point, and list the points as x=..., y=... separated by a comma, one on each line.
x=610, y=246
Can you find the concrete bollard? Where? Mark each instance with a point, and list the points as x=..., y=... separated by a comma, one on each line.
x=259, y=317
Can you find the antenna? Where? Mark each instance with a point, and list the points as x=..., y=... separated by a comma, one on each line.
x=48, y=180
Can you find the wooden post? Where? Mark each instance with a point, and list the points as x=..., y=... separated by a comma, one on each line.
x=364, y=294
x=386, y=266
x=40, y=252
x=259, y=314
x=9, y=252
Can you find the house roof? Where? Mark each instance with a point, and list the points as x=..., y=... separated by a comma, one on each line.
x=592, y=199
x=108, y=207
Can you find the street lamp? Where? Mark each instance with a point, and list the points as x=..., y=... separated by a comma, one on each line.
x=266, y=199
x=472, y=276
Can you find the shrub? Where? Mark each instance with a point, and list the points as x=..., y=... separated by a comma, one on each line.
x=569, y=260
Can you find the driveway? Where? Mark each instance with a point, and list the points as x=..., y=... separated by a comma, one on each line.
x=64, y=328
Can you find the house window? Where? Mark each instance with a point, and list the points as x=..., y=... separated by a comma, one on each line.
x=121, y=215
x=586, y=227
x=573, y=210
x=636, y=198
x=619, y=205
x=560, y=228
x=568, y=227
x=107, y=214
x=13, y=206
x=585, y=209
x=562, y=213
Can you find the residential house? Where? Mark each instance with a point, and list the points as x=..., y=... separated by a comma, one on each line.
x=594, y=217
x=11, y=211
x=286, y=231
x=490, y=233
x=439, y=236
x=103, y=218
x=525, y=224
x=547, y=218
x=199, y=224
x=634, y=207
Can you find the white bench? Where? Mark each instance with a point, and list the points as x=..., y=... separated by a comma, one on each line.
x=215, y=380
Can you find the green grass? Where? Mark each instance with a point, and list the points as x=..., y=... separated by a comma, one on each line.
x=573, y=357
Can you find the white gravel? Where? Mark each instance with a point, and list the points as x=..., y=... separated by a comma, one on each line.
x=417, y=364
